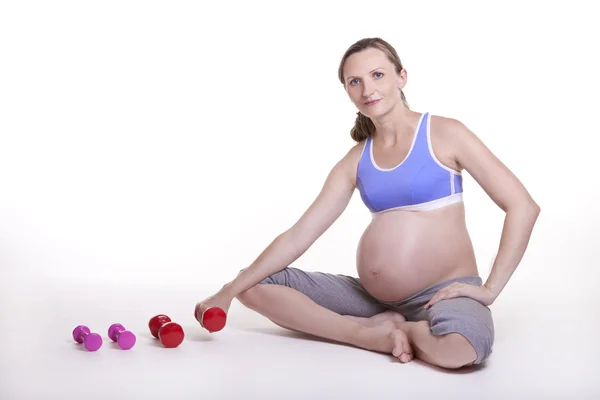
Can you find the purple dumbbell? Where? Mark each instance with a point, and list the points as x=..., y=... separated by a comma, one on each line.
x=91, y=341
x=124, y=338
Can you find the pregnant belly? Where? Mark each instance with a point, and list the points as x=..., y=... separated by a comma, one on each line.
x=401, y=253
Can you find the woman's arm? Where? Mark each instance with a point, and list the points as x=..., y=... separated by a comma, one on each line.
x=505, y=189
x=332, y=200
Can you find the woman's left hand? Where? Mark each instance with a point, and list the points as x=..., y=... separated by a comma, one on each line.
x=480, y=293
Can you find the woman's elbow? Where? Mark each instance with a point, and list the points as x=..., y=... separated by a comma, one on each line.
x=526, y=209
x=532, y=207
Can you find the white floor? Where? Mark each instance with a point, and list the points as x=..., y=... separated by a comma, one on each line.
x=541, y=352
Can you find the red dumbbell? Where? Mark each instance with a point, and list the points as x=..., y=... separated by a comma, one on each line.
x=213, y=319
x=169, y=333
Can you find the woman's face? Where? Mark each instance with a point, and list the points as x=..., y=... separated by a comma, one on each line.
x=372, y=83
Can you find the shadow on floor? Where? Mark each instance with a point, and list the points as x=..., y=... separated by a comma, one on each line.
x=281, y=332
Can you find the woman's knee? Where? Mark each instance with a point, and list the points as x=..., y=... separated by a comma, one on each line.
x=251, y=298
x=459, y=352
x=467, y=326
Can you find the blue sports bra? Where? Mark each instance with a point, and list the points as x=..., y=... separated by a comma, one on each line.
x=419, y=183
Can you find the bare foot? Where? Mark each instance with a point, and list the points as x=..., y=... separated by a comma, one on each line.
x=402, y=349
x=385, y=337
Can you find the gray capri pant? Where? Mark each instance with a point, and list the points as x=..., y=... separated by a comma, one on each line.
x=345, y=295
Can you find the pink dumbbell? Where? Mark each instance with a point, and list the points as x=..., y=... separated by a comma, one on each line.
x=91, y=341
x=124, y=338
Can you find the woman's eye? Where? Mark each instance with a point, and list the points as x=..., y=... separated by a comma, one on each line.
x=378, y=75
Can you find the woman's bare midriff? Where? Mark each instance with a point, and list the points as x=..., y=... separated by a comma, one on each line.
x=403, y=252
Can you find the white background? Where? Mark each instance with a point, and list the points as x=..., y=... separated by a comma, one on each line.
x=154, y=149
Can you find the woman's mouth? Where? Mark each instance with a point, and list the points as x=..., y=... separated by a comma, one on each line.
x=372, y=102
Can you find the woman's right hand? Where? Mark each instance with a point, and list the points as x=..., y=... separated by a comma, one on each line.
x=211, y=312
x=217, y=300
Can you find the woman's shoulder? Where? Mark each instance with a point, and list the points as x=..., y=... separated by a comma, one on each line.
x=448, y=136
x=355, y=152
x=448, y=130
x=350, y=160
x=442, y=123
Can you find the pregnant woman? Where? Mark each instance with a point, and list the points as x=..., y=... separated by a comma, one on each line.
x=418, y=292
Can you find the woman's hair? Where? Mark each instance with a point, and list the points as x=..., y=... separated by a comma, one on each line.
x=363, y=126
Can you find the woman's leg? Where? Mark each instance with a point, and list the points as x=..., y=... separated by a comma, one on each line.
x=319, y=304
x=453, y=333
x=457, y=332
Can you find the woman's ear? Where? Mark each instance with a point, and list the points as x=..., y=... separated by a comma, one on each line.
x=402, y=79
